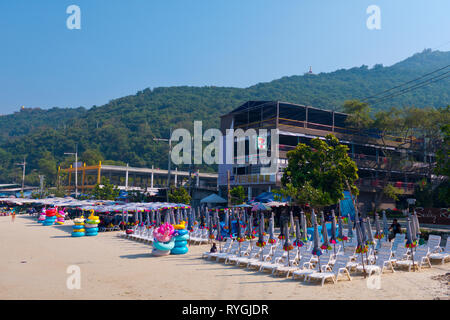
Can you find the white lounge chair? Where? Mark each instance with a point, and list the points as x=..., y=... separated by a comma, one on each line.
x=383, y=261
x=443, y=255
x=420, y=259
x=434, y=243
x=338, y=268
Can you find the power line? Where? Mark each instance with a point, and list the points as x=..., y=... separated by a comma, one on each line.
x=414, y=87
x=403, y=84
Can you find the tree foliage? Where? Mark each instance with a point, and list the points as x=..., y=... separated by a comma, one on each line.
x=105, y=190
x=318, y=173
x=179, y=195
x=237, y=195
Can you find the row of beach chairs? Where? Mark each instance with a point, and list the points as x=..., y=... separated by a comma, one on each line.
x=332, y=264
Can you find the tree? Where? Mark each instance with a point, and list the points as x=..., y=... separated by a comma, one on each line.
x=318, y=174
x=393, y=130
x=105, y=191
x=237, y=195
x=179, y=195
x=91, y=157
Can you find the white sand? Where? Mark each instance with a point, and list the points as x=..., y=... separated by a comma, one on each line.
x=34, y=260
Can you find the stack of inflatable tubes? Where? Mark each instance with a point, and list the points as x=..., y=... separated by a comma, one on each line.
x=50, y=217
x=180, y=245
x=91, y=226
x=78, y=229
x=162, y=248
x=42, y=217
x=60, y=217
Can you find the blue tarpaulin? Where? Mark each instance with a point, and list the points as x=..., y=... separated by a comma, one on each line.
x=346, y=206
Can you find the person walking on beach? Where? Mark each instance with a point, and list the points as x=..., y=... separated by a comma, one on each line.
x=394, y=228
x=13, y=215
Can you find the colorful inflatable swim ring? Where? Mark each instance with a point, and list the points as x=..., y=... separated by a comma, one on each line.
x=183, y=237
x=78, y=234
x=90, y=226
x=79, y=230
x=164, y=246
x=179, y=250
x=92, y=221
x=159, y=253
x=180, y=226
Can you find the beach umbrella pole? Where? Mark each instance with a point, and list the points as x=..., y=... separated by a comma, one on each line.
x=364, y=268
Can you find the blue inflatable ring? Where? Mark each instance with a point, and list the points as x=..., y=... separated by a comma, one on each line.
x=182, y=232
x=179, y=250
x=184, y=237
x=90, y=234
x=77, y=227
x=179, y=244
x=78, y=234
x=164, y=246
x=91, y=230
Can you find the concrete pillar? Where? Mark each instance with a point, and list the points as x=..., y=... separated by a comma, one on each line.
x=126, y=178
x=198, y=179
x=176, y=176
x=249, y=193
x=152, y=178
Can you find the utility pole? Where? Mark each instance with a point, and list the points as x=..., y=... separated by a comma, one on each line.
x=76, y=168
x=169, y=159
x=41, y=184
x=23, y=164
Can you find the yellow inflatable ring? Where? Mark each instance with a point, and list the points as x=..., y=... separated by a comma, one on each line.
x=78, y=230
x=92, y=221
x=179, y=226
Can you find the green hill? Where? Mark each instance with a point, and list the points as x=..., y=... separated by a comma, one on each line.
x=123, y=129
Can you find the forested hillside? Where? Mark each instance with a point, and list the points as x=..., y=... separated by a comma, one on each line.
x=123, y=129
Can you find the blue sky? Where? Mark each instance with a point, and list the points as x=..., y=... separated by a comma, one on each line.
x=128, y=45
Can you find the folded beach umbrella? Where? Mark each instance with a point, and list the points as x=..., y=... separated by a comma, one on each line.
x=350, y=226
x=282, y=235
x=272, y=239
x=362, y=223
x=361, y=247
x=190, y=222
x=287, y=246
x=172, y=216
x=219, y=236
x=177, y=216
x=325, y=243
x=298, y=241
x=147, y=218
x=341, y=236
x=261, y=243
x=410, y=243
x=409, y=239
x=261, y=221
x=413, y=227
x=316, y=250
x=230, y=227
x=239, y=236
x=250, y=234
x=210, y=227
x=304, y=226
x=333, y=238
x=226, y=212
x=167, y=217
x=158, y=217
x=385, y=226
x=291, y=222
x=368, y=226
x=378, y=233
x=416, y=222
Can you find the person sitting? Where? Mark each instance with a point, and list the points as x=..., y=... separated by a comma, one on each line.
x=394, y=228
x=213, y=248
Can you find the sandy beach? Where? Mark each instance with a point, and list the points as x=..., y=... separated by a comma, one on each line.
x=35, y=258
